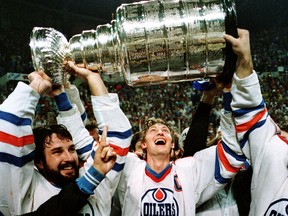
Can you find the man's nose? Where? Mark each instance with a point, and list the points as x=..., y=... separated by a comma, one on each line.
x=67, y=156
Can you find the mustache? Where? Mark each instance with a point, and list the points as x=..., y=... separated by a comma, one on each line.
x=67, y=164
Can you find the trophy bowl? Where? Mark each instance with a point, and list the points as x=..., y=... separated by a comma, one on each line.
x=48, y=52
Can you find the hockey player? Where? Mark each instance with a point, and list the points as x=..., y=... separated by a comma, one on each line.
x=24, y=188
x=259, y=136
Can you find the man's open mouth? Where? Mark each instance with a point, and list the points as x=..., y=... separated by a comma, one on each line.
x=160, y=142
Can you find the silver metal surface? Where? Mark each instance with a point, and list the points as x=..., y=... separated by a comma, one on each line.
x=149, y=42
x=49, y=50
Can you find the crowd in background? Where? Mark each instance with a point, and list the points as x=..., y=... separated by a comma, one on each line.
x=177, y=100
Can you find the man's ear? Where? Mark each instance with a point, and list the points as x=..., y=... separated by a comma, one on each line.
x=40, y=165
x=172, y=145
x=143, y=145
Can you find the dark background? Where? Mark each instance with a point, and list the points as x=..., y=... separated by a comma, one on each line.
x=267, y=21
x=77, y=15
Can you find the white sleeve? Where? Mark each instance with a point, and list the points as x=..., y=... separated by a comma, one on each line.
x=17, y=148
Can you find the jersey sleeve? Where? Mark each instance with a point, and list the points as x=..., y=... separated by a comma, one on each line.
x=253, y=123
x=107, y=112
x=81, y=137
x=74, y=97
x=16, y=147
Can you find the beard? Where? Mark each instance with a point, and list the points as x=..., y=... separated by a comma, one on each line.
x=55, y=176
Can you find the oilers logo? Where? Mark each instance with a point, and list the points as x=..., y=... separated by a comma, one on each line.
x=278, y=208
x=87, y=210
x=159, y=202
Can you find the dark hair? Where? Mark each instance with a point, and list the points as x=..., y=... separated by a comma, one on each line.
x=135, y=139
x=152, y=121
x=91, y=126
x=42, y=138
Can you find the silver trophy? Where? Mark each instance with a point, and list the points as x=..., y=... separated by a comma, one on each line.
x=49, y=50
x=149, y=42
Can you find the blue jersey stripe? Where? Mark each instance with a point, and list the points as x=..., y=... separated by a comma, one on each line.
x=217, y=174
x=14, y=119
x=232, y=153
x=17, y=161
x=85, y=149
x=243, y=111
x=84, y=116
x=120, y=135
x=246, y=135
x=118, y=167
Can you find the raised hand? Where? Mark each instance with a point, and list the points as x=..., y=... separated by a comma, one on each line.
x=40, y=82
x=105, y=156
x=93, y=78
x=241, y=47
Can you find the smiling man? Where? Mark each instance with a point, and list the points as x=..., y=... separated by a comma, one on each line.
x=56, y=156
x=157, y=186
x=54, y=152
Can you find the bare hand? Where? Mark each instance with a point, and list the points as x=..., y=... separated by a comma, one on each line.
x=40, y=82
x=80, y=71
x=95, y=82
x=241, y=47
x=105, y=156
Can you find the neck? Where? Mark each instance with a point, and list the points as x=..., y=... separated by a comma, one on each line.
x=156, y=164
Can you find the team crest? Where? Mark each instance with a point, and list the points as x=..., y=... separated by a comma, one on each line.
x=87, y=210
x=278, y=208
x=159, y=201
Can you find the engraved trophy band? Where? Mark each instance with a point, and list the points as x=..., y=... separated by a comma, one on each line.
x=149, y=42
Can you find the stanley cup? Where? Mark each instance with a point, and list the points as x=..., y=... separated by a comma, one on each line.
x=149, y=42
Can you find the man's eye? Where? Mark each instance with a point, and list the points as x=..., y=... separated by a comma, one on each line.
x=72, y=149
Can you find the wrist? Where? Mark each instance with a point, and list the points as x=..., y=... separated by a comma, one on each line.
x=57, y=90
x=90, y=180
x=36, y=86
x=244, y=68
x=62, y=102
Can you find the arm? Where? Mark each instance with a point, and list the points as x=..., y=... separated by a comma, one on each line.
x=17, y=143
x=217, y=165
x=74, y=97
x=248, y=105
x=70, y=117
x=196, y=138
x=107, y=112
x=74, y=196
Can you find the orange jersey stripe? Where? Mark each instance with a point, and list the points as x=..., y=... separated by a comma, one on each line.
x=225, y=161
x=247, y=125
x=120, y=151
x=16, y=141
x=284, y=139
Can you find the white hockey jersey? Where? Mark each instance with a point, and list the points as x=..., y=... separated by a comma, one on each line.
x=183, y=184
x=22, y=188
x=263, y=145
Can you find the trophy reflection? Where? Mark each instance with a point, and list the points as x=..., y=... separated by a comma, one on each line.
x=149, y=42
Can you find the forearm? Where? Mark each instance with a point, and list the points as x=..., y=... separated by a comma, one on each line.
x=81, y=137
x=250, y=114
x=197, y=134
x=244, y=66
x=74, y=97
x=96, y=85
x=246, y=92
